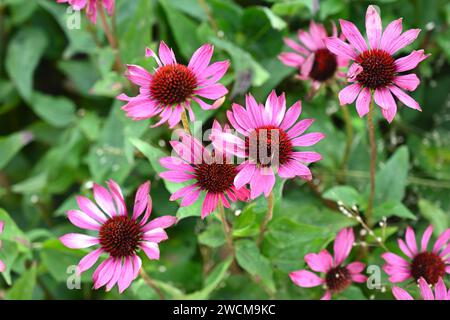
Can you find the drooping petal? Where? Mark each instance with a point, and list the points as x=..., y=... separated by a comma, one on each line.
x=401, y=294
x=349, y=93
x=407, y=82
x=405, y=98
x=126, y=276
x=89, y=260
x=244, y=175
x=410, y=61
x=440, y=291
x=151, y=249
x=363, y=102
x=425, y=290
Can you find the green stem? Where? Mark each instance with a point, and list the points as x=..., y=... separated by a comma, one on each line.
x=226, y=228
x=267, y=219
x=373, y=159
x=151, y=284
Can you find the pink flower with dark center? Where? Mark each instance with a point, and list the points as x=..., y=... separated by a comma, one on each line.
x=91, y=7
x=311, y=57
x=2, y=264
x=336, y=277
x=428, y=264
x=206, y=171
x=173, y=86
x=375, y=69
x=270, y=136
x=118, y=235
x=440, y=291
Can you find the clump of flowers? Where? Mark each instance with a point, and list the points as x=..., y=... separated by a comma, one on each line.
x=421, y=263
x=270, y=136
x=91, y=7
x=172, y=87
x=311, y=57
x=2, y=264
x=208, y=172
x=374, y=69
x=118, y=235
x=440, y=291
x=336, y=276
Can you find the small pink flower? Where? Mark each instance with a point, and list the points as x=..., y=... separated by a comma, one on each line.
x=440, y=291
x=311, y=57
x=91, y=7
x=173, y=86
x=336, y=276
x=431, y=265
x=270, y=136
x=118, y=235
x=375, y=69
x=2, y=264
x=208, y=171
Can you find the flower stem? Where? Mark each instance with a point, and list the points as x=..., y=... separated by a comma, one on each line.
x=110, y=36
x=151, y=284
x=226, y=228
x=267, y=219
x=373, y=159
x=349, y=136
x=185, y=121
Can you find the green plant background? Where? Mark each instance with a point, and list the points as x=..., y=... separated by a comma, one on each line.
x=61, y=129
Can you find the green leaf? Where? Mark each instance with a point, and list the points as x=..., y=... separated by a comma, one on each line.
x=391, y=180
x=345, y=194
x=251, y=260
x=213, y=236
x=392, y=208
x=24, y=286
x=212, y=281
x=245, y=224
x=56, y=111
x=12, y=144
x=435, y=215
x=22, y=57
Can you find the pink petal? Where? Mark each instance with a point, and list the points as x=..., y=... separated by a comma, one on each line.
x=138, y=75
x=401, y=294
x=394, y=259
x=166, y=54
x=126, y=276
x=405, y=248
x=321, y=262
x=291, y=116
x=78, y=240
x=151, y=249
x=291, y=59
x=425, y=290
x=410, y=61
x=410, y=238
x=373, y=27
x=356, y=267
x=214, y=72
x=299, y=128
x=426, y=237
x=308, y=139
x=326, y=296
x=349, y=93
x=404, y=40
x=359, y=278
x=343, y=244
x=390, y=34
x=441, y=241
x=306, y=156
x=305, y=279
x=88, y=207
x=296, y=46
x=160, y=222
x=156, y=235
x=244, y=175
x=117, y=195
x=116, y=275
x=201, y=58
x=106, y=272
x=2, y=266
x=407, y=82
x=353, y=35
x=82, y=220
x=190, y=198
x=306, y=67
x=210, y=204
x=440, y=291
x=213, y=92
x=104, y=200
x=141, y=199
x=363, y=102
x=89, y=260
x=340, y=48
x=405, y=98
x=307, y=40
x=175, y=176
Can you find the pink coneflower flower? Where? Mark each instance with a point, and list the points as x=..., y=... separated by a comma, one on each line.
x=440, y=291
x=429, y=264
x=375, y=69
x=270, y=136
x=207, y=171
x=173, y=86
x=91, y=7
x=118, y=235
x=311, y=57
x=2, y=264
x=336, y=276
